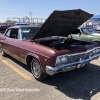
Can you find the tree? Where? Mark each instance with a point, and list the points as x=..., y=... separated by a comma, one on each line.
x=10, y=21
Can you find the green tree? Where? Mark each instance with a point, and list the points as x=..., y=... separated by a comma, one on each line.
x=10, y=21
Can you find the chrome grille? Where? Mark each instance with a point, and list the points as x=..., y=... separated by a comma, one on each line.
x=75, y=58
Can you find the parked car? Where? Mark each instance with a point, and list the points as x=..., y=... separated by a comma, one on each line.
x=50, y=49
x=86, y=33
x=3, y=27
x=21, y=23
x=96, y=25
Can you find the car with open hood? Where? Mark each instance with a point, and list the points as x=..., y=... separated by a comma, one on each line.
x=50, y=48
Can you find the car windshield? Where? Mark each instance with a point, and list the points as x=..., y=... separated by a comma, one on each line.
x=89, y=30
x=28, y=33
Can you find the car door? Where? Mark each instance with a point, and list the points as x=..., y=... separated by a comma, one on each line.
x=85, y=37
x=11, y=43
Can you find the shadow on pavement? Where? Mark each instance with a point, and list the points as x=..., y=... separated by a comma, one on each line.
x=81, y=83
x=77, y=84
x=20, y=63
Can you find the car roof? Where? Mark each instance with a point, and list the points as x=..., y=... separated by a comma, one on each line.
x=23, y=26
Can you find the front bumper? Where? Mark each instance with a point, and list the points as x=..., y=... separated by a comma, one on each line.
x=71, y=66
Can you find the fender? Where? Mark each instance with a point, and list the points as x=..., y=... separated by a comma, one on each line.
x=32, y=54
x=37, y=57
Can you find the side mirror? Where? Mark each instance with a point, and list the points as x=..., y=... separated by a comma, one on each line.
x=79, y=34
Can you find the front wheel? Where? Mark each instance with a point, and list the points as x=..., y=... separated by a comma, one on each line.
x=37, y=71
x=2, y=51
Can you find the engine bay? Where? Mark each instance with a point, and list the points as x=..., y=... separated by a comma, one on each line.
x=63, y=43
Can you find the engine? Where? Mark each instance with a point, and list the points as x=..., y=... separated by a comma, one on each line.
x=60, y=44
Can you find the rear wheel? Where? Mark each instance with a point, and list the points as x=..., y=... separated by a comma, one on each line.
x=2, y=51
x=37, y=71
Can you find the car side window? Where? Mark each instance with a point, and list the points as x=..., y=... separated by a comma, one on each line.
x=8, y=33
x=12, y=33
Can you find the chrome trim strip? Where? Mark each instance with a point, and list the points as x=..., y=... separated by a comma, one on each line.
x=81, y=52
x=14, y=57
x=51, y=70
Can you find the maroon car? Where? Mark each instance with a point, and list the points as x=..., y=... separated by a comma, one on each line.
x=50, y=49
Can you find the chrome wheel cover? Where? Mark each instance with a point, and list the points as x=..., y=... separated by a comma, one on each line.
x=36, y=69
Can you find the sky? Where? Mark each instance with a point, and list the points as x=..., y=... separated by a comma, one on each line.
x=43, y=8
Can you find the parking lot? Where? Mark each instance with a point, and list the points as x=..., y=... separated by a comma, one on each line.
x=17, y=83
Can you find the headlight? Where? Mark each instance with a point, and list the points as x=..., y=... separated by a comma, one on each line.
x=58, y=61
x=63, y=59
x=94, y=52
x=97, y=50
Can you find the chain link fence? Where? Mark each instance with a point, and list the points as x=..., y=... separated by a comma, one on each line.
x=34, y=21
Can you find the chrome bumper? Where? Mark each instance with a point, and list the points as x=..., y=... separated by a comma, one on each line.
x=71, y=66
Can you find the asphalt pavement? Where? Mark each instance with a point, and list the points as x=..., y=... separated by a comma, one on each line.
x=17, y=83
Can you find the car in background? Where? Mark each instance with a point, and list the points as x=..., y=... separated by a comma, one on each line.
x=96, y=25
x=86, y=33
x=21, y=23
x=3, y=27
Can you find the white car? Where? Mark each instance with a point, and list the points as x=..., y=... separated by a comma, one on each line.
x=96, y=26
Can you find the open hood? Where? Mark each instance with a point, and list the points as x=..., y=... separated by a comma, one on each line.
x=62, y=23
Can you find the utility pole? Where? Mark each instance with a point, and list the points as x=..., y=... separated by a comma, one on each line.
x=30, y=13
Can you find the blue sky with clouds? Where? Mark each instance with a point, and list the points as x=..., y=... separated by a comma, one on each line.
x=43, y=8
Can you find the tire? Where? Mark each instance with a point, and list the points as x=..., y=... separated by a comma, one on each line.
x=2, y=51
x=37, y=71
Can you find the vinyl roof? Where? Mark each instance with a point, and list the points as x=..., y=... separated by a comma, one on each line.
x=22, y=26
